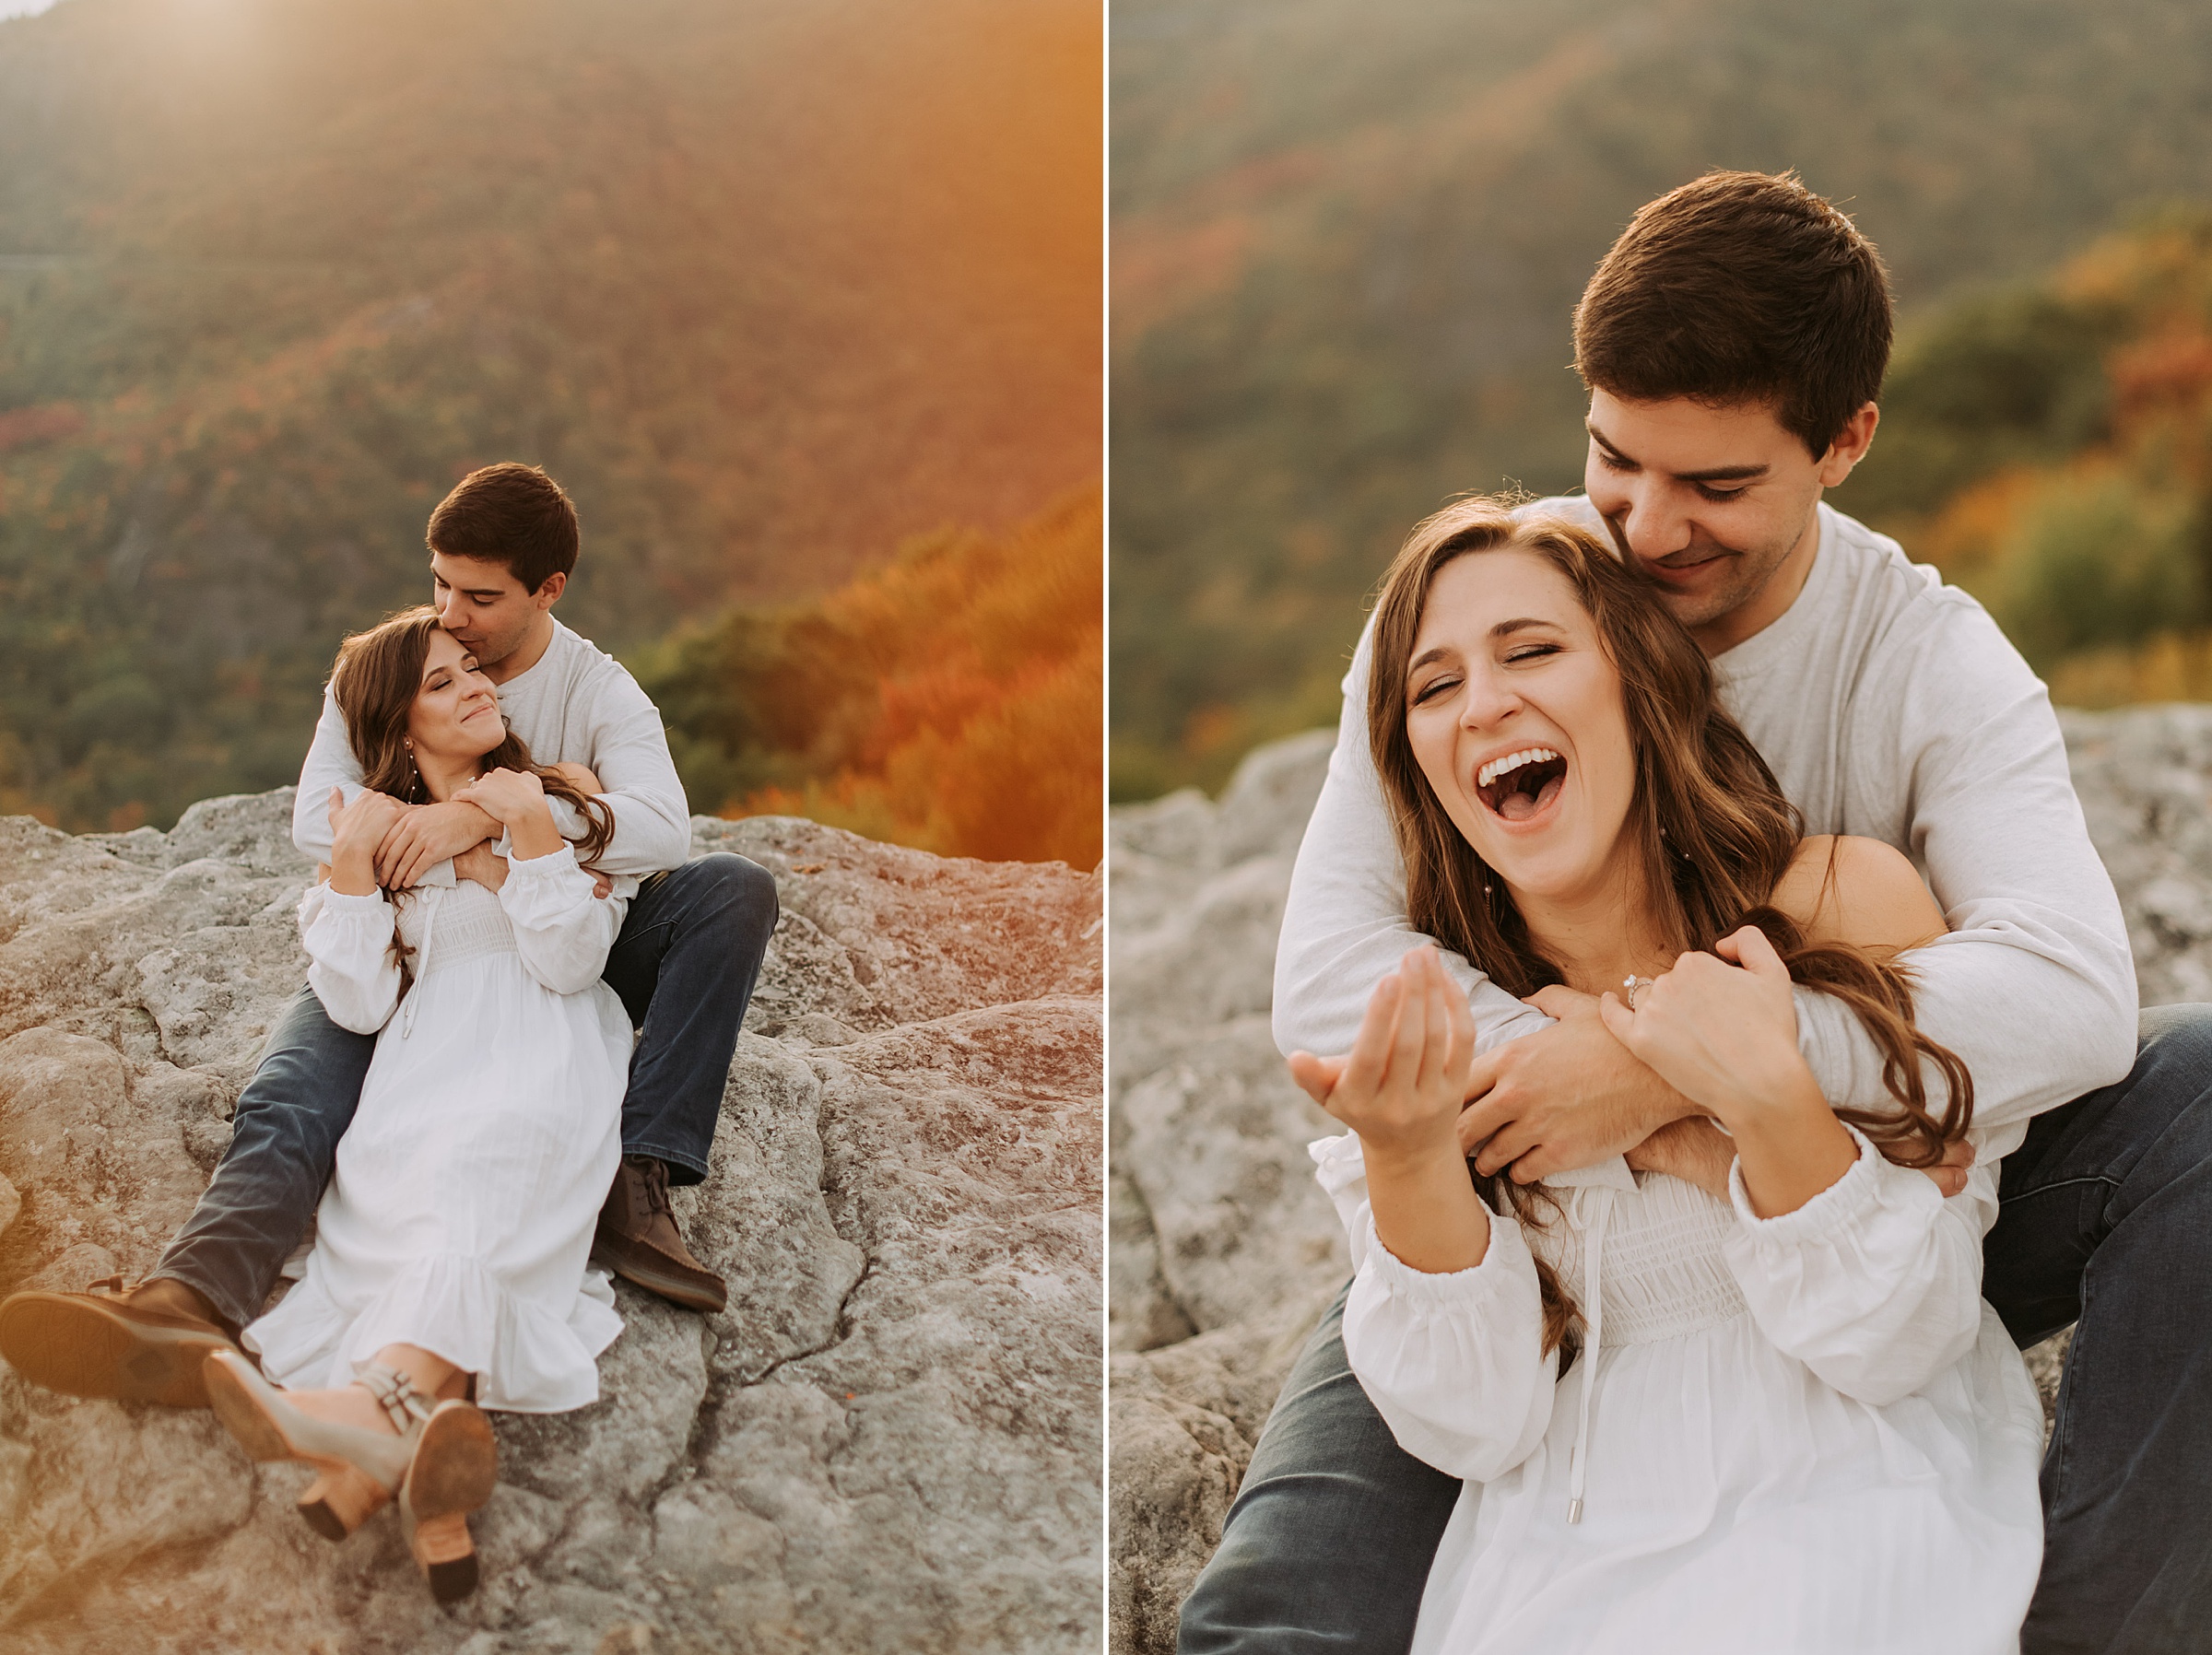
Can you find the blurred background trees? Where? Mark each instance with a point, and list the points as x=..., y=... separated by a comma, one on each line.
x=772, y=290
x=1347, y=241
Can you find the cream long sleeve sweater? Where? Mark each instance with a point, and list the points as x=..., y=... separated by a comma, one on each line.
x=1887, y=705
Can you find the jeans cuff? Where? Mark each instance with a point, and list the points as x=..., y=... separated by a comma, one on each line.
x=679, y=1163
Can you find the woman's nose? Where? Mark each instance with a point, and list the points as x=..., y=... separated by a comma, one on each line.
x=1486, y=700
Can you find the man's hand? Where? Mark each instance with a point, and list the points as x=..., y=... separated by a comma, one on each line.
x=483, y=864
x=426, y=835
x=1569, y=1095
x=1693, y=1150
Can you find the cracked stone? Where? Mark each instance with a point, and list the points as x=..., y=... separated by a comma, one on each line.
x=890, y=1441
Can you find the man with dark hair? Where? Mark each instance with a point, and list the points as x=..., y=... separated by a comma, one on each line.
x=1732, y=342
x=502, y=546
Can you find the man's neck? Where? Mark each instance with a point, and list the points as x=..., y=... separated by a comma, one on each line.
x=534, y=644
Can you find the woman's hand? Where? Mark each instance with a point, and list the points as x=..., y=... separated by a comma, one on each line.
x=1724, y=1035
x=516, y=800
x=1400, y=1088
x=356, y=830
x=1722, y=1031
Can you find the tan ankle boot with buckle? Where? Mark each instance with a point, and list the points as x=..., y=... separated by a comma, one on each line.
x=638, y=1241
x=440, y=1463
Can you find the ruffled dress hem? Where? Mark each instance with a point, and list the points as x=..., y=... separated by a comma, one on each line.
x=526, y=1359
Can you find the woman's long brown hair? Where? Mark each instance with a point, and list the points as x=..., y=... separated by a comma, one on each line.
x=1707, y=819
x=377, y=676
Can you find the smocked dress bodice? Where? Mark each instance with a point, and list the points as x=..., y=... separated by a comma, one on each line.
x=1768, y=1415
x=459, y=1215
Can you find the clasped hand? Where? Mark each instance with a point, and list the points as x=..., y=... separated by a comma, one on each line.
x=1721, y=1027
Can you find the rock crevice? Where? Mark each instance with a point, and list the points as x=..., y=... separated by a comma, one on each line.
x=889, y=1442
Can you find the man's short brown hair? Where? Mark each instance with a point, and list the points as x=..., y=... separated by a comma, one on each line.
x=1740, y=287
x=510, y=514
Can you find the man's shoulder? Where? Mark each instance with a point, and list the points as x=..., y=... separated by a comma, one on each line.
x=583, y=670
x=1904, y=599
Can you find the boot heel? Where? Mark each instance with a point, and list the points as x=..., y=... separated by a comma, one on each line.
x=446, y=1553
x=341, y=1501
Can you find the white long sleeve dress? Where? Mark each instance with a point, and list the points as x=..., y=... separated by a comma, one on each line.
x=468, y=1187
x=1806, y=1433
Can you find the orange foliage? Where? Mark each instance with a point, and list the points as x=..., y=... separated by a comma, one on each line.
x=984, y=731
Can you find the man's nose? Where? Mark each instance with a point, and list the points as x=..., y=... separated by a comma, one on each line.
x=1655, y=525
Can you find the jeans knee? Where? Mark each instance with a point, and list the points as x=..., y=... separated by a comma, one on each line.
x=2180, y=1035
x=742, y=890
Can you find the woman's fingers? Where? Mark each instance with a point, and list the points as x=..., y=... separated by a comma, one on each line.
x=1368, y=1060
x=1316, y=1077
x=1619, y=1021
x=1750, y=949
x=1428, y=1062
x=1461, y=1022
x=1406, y=1051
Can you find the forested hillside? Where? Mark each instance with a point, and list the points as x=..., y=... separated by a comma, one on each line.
x=2050, y=448
x=949, y=700
x=771, y=288
x=1347, y=237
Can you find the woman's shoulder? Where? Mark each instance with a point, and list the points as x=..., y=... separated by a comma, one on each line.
x=1842, y=888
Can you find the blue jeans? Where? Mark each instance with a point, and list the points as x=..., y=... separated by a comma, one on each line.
x=684, y=965
x=2105, y=1221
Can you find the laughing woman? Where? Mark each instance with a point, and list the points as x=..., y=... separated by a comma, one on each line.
x=449, y=1253
x=1742, y=1395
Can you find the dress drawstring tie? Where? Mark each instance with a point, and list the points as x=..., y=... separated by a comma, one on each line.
x=428, y=894
x=1599, y=1199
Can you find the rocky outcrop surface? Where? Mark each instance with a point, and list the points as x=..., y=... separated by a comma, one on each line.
x=1223, y=1251
x=890, y=1442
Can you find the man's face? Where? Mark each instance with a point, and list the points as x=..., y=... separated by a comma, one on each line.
x=1715, y=504
x=484, y=607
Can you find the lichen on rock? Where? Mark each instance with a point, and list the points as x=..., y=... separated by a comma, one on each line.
x=890, y=1441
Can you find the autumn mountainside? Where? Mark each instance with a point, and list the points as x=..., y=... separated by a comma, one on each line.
x=772, y=289
x=949, y=700
x=1347, y=240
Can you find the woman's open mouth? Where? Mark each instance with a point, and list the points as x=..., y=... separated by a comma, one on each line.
x=1519, y=785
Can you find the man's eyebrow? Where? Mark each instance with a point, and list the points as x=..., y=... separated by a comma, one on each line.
x=1712, y=474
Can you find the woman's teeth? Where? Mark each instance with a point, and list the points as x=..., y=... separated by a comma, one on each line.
x=1519, y=785
x=1511, y=761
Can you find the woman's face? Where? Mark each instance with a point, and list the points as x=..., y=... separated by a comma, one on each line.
x=1514, y=713
x=456, y=711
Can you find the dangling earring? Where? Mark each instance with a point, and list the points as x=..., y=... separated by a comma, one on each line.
x=414, y=775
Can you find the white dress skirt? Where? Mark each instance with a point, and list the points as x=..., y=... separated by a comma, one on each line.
x=1806, y=1433
x=468, y=1186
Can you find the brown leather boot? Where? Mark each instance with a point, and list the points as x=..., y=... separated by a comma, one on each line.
x=143, y=1345
x=638, y=1241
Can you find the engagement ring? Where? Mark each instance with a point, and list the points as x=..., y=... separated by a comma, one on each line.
x=1634, y=986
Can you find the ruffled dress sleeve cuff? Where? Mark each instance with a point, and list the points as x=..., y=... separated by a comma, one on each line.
x=1875, y=1283
x=350, y=963
x=1454, y=1362
x=562, y=927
